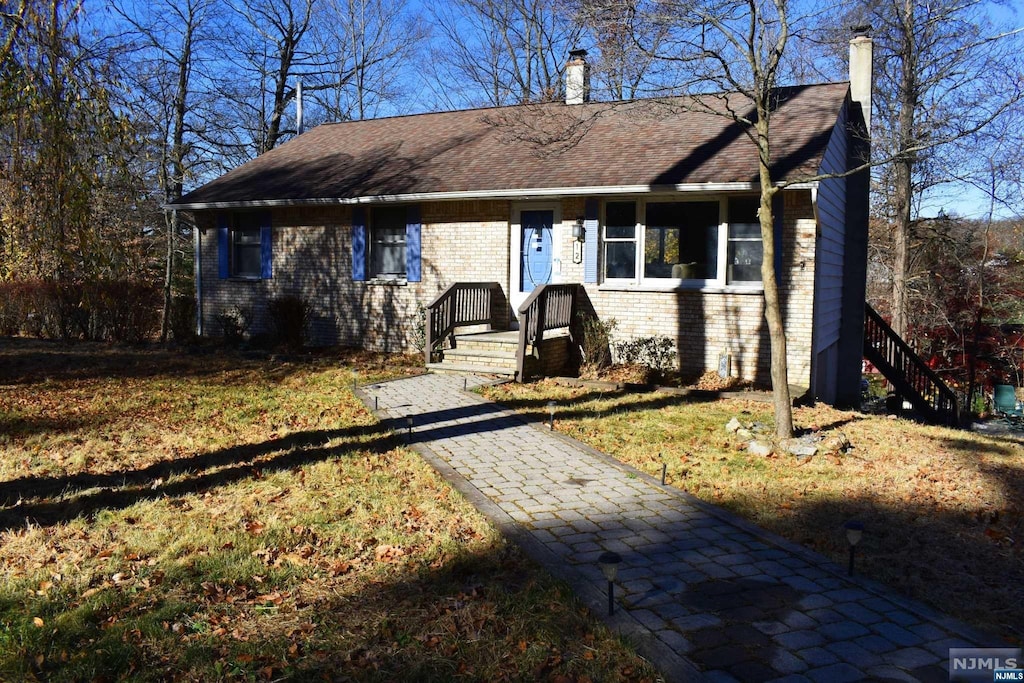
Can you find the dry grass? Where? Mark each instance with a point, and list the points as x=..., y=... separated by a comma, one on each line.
x=209, y=517
x=941, y=507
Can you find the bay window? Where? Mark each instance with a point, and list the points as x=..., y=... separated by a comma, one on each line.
x=706, y=242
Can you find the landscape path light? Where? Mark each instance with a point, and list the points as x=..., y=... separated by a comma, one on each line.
x=551, y=411
x=609, y=563
x=854, y=532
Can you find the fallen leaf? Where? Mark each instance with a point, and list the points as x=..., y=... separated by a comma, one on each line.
x=254, y=527
x=38, y=622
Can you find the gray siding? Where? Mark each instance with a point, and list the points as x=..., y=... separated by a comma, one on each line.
x=830, y=257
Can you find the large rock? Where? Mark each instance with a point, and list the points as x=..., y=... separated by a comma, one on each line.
x=801, y=447
x=733, y=426
x=759, y=447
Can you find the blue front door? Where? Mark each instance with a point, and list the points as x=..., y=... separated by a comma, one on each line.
x=535, y=253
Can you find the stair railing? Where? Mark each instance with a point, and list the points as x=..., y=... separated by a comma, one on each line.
x=908, y=374
x=462, y=304
x=549, y=307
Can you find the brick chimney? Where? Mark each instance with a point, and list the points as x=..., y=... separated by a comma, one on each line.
x=861, y=48
x=577, y=78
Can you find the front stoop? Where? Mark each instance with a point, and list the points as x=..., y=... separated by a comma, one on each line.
x=494, y=353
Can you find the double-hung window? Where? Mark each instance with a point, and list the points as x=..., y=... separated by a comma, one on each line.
x=705, y=242
x=244, y=245
x=387, y=243
x=620, y=240
x=745, y=246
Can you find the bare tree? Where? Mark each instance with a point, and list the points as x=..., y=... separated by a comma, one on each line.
x=621, y=68
x=372, y=45
x=739, y=48
x=267, y=49
x=944, y=71
x=172, y=41
x=499, y=52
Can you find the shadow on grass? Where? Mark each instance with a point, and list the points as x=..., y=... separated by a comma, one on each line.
x=489, y=615
x=118, y=490
x=575, y=407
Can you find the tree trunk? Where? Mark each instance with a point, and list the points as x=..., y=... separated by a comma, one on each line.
x=781, y=399
x=903, y=168
x=901, y=247
x=175, y=183
x=172, y=228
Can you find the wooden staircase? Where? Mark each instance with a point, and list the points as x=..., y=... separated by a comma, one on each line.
x=541, y=345
x=910, y=376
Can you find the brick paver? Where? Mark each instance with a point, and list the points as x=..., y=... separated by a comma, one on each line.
x=702, y=593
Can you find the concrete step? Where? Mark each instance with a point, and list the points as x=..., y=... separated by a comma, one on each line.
x=480, y=357
x=485, y=345
x=489, y=341
x=470, y=369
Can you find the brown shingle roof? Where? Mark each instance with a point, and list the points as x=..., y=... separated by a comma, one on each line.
x=645, y=143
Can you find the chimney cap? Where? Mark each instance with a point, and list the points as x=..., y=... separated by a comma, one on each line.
x=578, y=53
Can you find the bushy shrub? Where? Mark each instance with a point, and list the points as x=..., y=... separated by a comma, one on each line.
x=658, y=354
x=122, y=311
x=183, y=318
x=288, y=318
x=12, y=308
x=234, y=324
x=65, y=315
x=107, y=310
x=419, y=323
x=596, y=341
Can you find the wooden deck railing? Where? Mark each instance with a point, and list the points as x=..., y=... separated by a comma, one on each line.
x=549, y=307
x=463, y=303
x=908, y=374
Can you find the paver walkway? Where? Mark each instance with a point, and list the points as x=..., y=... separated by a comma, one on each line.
x=702, y=593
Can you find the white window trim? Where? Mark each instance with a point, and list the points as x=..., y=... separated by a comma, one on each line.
x=642, y=284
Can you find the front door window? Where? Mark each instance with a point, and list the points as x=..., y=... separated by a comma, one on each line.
x=536, y=251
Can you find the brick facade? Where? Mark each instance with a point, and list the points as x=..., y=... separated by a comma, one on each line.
x=469, y=241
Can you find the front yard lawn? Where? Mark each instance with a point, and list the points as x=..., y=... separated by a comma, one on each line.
x=210, y=517
x=941, y=507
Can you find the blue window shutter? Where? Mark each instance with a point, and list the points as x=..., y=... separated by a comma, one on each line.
x=413, y=230
x=358, y=244
x=592, y=236
x=223, y=246
x=266, y=247
x=778, y=219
